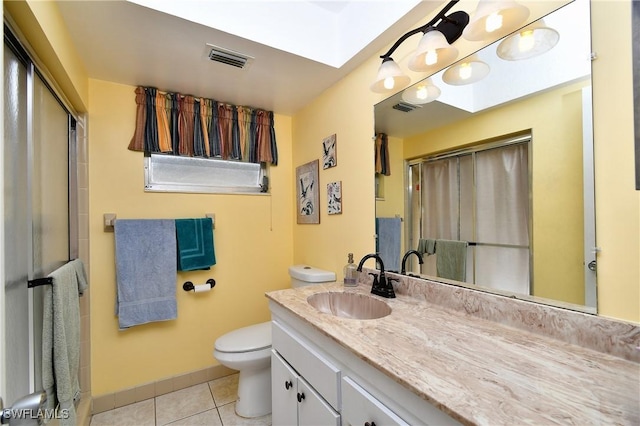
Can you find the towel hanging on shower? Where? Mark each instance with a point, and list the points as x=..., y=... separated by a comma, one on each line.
x=61, y=338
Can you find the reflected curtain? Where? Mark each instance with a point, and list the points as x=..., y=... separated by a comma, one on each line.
x=440, y=205
x=484, y=199
x=502, y=217
x=199, y=127
x=382, y=155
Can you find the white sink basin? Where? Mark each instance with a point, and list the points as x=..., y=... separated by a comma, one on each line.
x=349, y=305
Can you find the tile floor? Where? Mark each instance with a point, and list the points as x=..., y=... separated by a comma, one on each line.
x=210, y=404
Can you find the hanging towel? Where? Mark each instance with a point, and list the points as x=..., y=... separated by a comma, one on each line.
x=389, y=230
x=145, y=271
x=426, y=246
x=61, y=338
x=195, y=244
x=451, y=261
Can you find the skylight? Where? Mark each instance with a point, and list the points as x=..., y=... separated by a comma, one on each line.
x=329, y=32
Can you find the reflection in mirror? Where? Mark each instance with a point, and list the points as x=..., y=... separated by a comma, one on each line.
x=505, y=165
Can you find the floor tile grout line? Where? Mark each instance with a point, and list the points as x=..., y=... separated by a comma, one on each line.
x=193, y=414
x=215, y=403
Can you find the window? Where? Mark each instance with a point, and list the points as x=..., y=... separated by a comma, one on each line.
x=168, y=173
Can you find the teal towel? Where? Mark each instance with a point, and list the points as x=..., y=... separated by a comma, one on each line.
x=451, y=259
x=195, y=244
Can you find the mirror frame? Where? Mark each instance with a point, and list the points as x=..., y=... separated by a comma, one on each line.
x=635, y=25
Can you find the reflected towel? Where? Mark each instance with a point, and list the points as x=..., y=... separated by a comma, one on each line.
x=145, y=271
x=451, y=261
x=389, y=231
x=61, y=338
x=426, y=246
x=195, y=244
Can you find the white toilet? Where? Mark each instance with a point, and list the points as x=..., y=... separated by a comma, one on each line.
x=248, y=350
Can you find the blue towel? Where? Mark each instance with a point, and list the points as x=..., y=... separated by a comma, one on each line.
x=389, y=230
x=145, y=271
x=195, y=244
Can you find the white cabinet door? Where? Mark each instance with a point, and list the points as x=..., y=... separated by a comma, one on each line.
x=359, y=407
x=284, y=389
x=312, y=409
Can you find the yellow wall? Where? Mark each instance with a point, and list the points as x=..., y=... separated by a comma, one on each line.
x=41, y=24
x=344, y=109
x=555, y=122
x=392, y=202
x=253, y=240
x=617, y=200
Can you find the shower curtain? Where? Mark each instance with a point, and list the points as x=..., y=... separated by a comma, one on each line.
x=481, y=197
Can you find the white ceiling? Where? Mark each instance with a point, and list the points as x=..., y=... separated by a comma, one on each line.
x=133, y=44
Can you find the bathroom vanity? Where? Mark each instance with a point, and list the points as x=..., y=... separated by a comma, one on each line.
x=429, y=362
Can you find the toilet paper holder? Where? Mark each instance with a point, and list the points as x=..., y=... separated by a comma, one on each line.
x=189, y=286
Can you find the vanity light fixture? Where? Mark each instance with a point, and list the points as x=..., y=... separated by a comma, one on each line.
x=532, y=40
x=467, y=71
x=495, y=19
x=421, y=93
x=434, y=50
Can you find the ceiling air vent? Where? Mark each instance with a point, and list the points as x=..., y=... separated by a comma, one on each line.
x=228, y=57
x=405, y=107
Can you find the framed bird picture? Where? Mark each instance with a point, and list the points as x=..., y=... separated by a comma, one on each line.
x=334, y=197
x=308, y=193
x=329, y=153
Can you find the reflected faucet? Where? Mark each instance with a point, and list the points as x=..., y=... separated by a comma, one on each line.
x=381, y=286
x=404, y=260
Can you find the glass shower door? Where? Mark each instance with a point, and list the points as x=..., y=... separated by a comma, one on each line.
x=17, y=322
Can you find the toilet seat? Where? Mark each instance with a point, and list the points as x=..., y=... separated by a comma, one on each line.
x=247, y=339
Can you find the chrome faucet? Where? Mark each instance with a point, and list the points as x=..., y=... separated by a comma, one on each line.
x=381, y=286
x=404, y=260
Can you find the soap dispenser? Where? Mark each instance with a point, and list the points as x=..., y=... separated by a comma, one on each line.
x=350, y=273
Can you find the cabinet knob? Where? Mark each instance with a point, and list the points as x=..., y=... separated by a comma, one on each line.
x=369, y=424
x=300, y=396
x=288, y=384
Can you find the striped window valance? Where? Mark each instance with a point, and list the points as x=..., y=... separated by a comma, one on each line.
x=198, y=127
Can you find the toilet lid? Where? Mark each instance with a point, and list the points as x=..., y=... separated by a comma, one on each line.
x=246, y=339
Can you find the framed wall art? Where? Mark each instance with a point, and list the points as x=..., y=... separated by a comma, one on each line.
x=329, y=152
x=308, y=193
x=334, y=197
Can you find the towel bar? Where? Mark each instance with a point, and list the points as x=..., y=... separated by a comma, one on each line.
x=188, y=286
x=110, y=218
x=39, y=281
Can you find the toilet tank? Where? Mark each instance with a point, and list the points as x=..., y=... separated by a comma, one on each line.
x=302, y=275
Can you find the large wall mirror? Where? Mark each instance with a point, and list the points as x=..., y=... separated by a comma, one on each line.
x=505, y=164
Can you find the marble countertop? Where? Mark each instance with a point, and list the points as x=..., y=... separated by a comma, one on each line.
x=476, y=370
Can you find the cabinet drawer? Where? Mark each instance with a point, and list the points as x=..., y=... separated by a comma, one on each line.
x=359, y=407
x=317, y=370
x=313, y=410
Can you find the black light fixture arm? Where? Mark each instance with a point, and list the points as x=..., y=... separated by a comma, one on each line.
x=452, y=27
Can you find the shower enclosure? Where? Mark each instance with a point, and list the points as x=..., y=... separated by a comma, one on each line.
x=39, y=232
